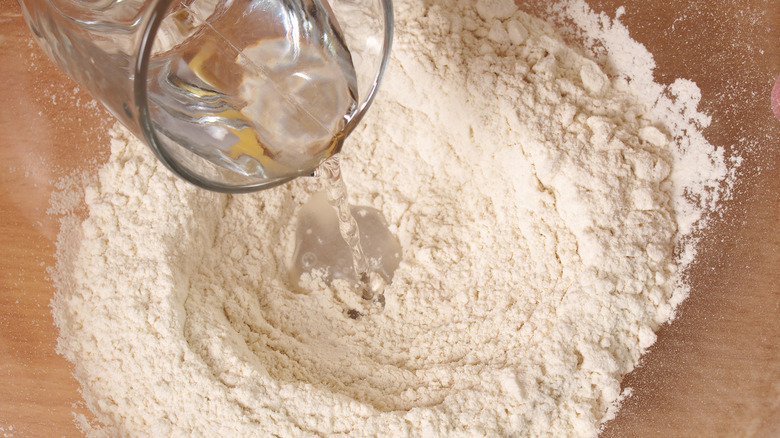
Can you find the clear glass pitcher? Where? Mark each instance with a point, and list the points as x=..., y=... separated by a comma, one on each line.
x=232, y=95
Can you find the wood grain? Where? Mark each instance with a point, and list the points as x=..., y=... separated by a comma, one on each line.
x=41, y=118
x=715, y=371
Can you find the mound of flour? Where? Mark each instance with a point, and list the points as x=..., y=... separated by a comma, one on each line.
x=531, y=194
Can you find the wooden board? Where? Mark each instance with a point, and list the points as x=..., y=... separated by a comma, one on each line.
x=714, y=372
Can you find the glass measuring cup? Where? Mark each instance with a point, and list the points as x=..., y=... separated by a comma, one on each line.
x=232, y=95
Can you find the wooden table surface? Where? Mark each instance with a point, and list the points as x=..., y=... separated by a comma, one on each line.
x=715, y=371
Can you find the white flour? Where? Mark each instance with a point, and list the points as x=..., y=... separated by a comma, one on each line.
x=533, y=199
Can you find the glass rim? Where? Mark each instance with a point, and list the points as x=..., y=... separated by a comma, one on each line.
x=157, y=13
